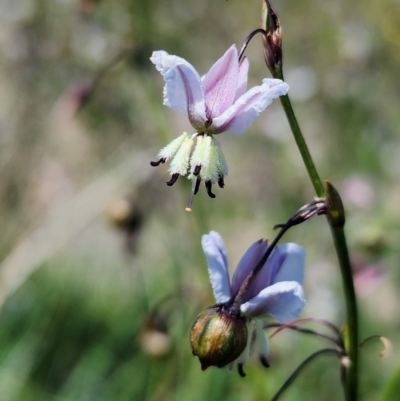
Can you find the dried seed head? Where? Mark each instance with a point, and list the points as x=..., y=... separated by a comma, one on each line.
x=272, y=39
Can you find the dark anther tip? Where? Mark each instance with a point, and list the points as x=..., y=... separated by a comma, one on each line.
x=196, y=189
x=221, y=182
x=197, y=170
x=209, y=187
x=240, y=370
x=158, y=162
x=173, y=179
x=264, y=361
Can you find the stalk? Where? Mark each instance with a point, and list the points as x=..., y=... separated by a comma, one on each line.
x=339, y=239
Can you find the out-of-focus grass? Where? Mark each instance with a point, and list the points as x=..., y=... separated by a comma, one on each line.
x=95, y=322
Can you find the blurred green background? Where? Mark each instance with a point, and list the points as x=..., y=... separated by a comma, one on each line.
x=102, y=271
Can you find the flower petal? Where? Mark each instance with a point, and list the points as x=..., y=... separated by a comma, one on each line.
x=214, y=249
x=284, y=301
x=245, y=355
x=220, y=83
x=248, y=263
x=292, y=265
x=245, y=110
x=242, y=78
x=261, y=342
x=183, y=90
x=286, y=263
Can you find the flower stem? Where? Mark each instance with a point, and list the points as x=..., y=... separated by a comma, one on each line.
x=293, y=376
x=352, y=342
x=301, y=143
x=339, y=238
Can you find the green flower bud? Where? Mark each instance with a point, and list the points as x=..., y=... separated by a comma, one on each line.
x=334, y=206
x=218, y=336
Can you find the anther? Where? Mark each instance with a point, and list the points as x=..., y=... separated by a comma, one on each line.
x=158, y=162
x=240, y=370
x=197, y=170
x=196, y=189
x=173, y=179
x=264, y=361
x=208, y=188
x=221, y=182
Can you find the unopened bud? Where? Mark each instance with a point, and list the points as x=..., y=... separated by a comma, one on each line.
x=334, y=206
x=272, y=39
x=218, y=336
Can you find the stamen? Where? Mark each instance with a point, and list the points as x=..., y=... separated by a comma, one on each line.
x=221, y=182
x=173, y=179
x=196, y=189
x=197, y=170
x=193, y=191
x=209, y=187
x=158, y=162
x=240, y=370
x=264, y=361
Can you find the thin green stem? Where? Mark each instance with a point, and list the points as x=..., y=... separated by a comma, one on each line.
x=351, y=379
x=352, y=342
x=301, y=143
x=294, y=375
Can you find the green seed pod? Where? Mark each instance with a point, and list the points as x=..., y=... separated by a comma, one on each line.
x=218, y=336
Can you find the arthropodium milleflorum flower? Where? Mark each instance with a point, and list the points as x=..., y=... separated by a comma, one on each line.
x=222, y=334
x=215, y=103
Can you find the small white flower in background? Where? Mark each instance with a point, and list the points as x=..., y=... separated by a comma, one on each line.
x=276, y=291
x=215, y=103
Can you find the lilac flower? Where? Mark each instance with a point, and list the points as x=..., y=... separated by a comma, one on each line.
x=215, y=103
x=276, y=291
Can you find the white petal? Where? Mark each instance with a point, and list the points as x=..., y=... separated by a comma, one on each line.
x=214, y=249
x=245, y=355
x=261, y=340
x=284, y=301
x=245, y=110
x=183, y=90
x=292, y=268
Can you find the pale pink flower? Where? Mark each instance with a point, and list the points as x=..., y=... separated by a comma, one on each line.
x=214, y=103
